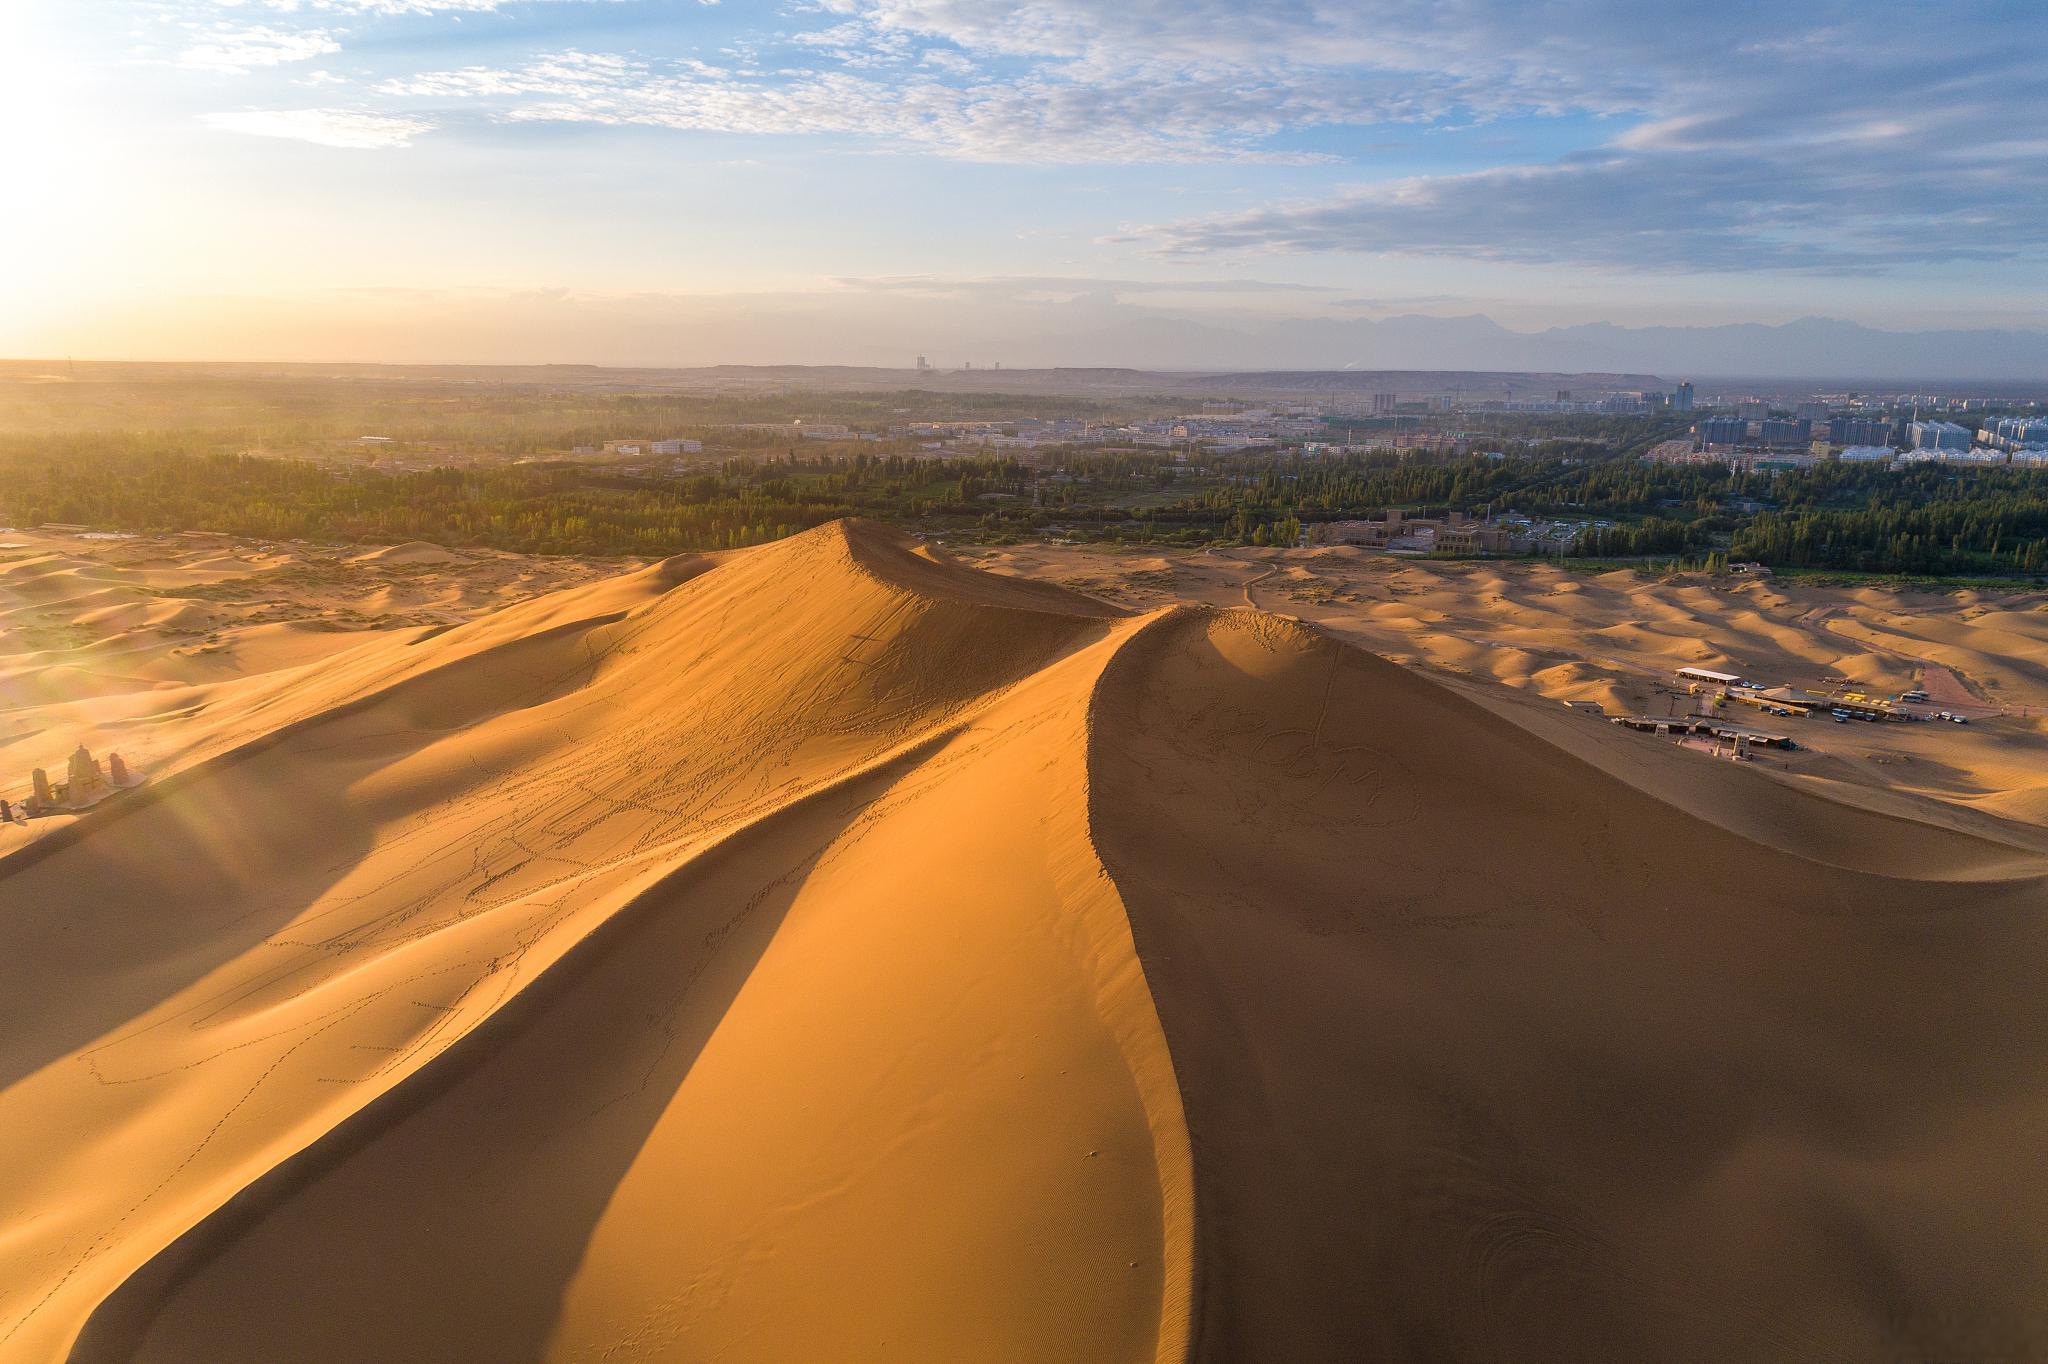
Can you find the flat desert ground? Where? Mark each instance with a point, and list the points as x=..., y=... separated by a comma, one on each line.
x=843, y=950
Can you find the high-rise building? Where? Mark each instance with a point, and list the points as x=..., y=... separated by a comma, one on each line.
x=923, y=363
x=1383, y=404
x=1937, y=436
x=1681, y=397
x=2013, y=432
x=1859, y=431
x=1722, y=431
x=1783, y=432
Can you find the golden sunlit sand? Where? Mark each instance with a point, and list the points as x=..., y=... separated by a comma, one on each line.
x=831, y=951
x=169, y=647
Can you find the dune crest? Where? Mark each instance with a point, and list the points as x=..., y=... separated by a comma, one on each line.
x=412, y=552
x=830, y=951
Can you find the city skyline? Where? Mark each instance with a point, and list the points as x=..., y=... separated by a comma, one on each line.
x=857, y=181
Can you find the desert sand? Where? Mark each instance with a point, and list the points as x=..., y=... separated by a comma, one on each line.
x=1612, y=640
x=832, y=951
x=159, y=646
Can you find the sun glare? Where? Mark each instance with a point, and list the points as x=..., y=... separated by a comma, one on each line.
x=52, y=164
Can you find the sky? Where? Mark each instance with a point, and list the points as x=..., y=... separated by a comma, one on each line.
x=1030, y=181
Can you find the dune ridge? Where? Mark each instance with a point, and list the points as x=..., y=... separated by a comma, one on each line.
x=849, y=716
x=1611, y=639
x=831, y=951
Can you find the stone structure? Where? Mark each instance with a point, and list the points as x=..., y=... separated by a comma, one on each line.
x=85, y=784
x=84, y=775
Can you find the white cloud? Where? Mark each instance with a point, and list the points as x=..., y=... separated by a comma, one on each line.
x=1483, y=53
x=1065, y=286
x=232, y=51
x=1813, y=209
x=350, y=128
x=1821, y=135
x=857, y=44
x=392, y=7
x=1031, y=118
x=1827, y=136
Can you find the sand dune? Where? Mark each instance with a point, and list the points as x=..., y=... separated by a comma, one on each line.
x=412, y=552
x=118, y=643
x=1487, y=1055
x=828, y=951
x=1613, y=639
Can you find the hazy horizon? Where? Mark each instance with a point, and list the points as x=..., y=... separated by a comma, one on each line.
x=616, y=334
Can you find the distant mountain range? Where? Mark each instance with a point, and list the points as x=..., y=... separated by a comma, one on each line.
x=1127, y=348
x=1813, y=348
x=1115, y=381
x=1102, y=381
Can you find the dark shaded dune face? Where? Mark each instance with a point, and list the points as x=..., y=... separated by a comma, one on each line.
x=1487, y=1055
x=678, y=569
x=896, y=558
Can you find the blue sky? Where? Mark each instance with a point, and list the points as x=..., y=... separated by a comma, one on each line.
x=671, y=181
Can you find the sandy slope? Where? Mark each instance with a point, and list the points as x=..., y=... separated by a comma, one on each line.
x=412, y=552
x=1614, y=638
x=766, y=1011
x=165, y=647
x=831, y=952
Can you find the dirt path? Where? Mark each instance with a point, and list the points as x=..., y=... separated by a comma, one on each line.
x=1250, y=583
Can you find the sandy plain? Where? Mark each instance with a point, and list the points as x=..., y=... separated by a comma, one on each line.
x=832, y=951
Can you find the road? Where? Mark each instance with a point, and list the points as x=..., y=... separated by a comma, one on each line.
x=1945, y=689
x=1250, y=583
